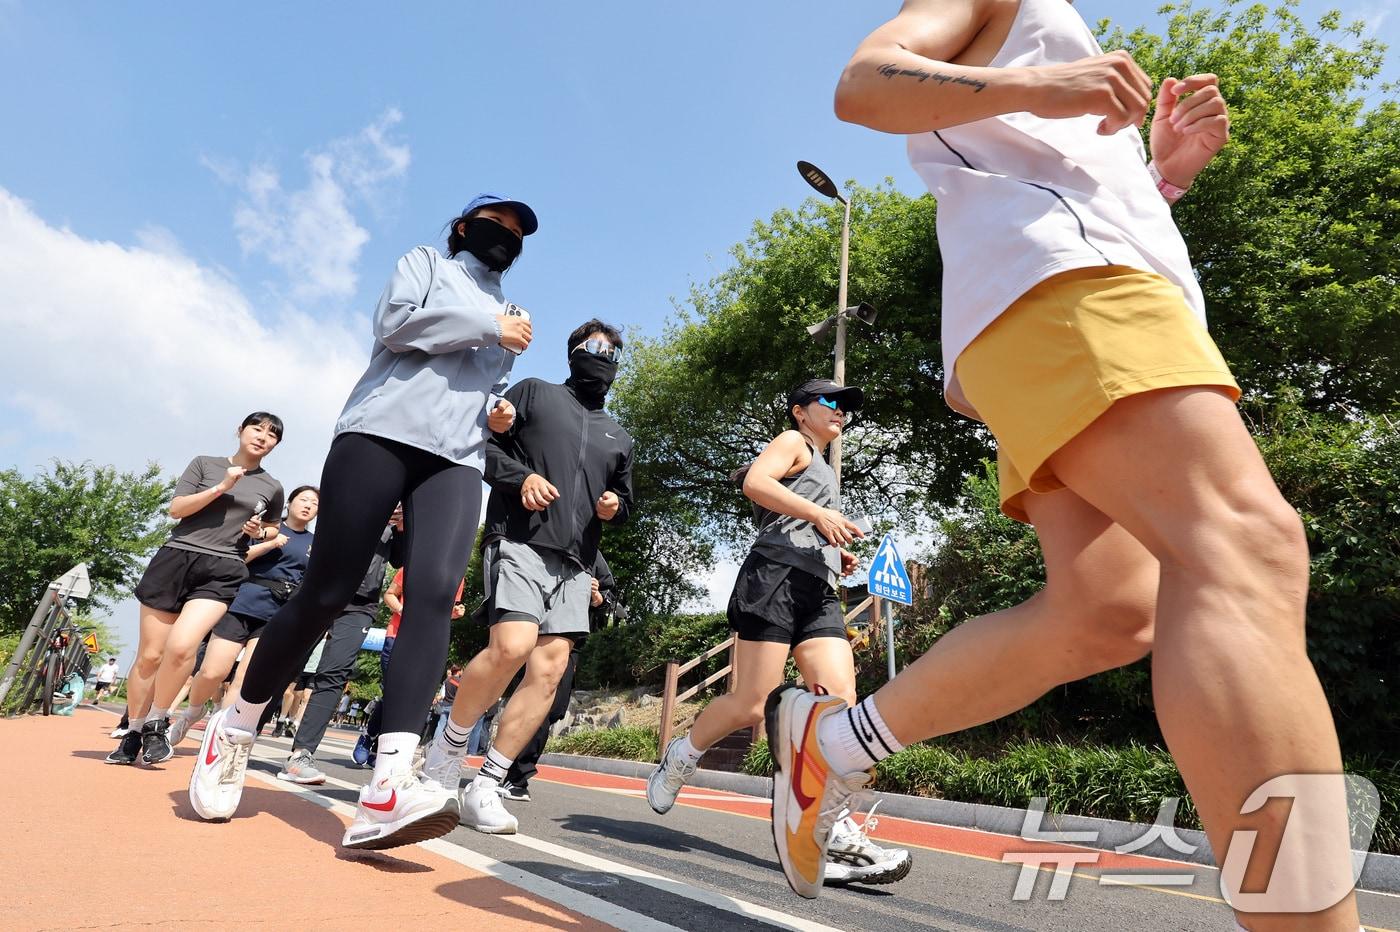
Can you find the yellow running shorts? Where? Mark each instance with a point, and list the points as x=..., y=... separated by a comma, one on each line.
x=1065, y=351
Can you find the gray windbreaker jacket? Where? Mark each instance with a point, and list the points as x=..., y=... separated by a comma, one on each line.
x=436, y=366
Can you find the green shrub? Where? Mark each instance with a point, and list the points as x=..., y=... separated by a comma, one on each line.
x=639, y=744
x=1127, y=783
x=629, y=655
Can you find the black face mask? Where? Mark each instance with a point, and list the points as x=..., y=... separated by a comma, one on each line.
x=491, y=242
x=591, y=375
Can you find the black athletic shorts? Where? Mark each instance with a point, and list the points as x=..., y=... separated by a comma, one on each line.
x=238, y=627
x=782, y=604
x=304, y=680
x=176, y=576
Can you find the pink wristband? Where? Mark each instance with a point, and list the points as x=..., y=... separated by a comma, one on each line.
x=1172, y=193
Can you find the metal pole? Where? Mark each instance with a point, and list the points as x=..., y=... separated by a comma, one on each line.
x=889, y=633
x=840, y=376
x=36, y=621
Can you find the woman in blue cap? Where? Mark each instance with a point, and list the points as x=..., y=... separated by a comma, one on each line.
x=413, y=430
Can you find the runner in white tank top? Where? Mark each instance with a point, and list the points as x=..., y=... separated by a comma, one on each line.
x=1166, y=533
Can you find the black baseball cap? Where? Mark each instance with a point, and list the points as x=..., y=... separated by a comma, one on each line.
x=848, y=397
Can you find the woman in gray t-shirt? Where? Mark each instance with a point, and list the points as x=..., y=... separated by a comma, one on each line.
x=219, y=504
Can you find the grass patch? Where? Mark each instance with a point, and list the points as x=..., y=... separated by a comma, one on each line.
x=1124, y=783
x=637, y=744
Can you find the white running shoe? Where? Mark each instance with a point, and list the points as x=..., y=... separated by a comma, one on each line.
x=851, y=857
x=482, y=810
x=216, y=784
x=117, y=732
x=401, y=809
x=665, y=782
x=180, y=726
x=442, y=768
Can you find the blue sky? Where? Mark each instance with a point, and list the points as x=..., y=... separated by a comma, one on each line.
x=199, y=204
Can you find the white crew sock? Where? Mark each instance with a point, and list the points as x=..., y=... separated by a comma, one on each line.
x=394, y=754
x=244, y=715
x=158, y=715
x=453, y=740
x=135, y=724
x=195, y=712
x=493, y=770
x=688, y=752
x=856, y=739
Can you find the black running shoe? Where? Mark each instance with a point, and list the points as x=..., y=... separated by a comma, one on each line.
x=128, y=750
x=515, y=791
x=155, y=746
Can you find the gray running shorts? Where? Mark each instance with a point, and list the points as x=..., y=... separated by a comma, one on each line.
x=543, y=584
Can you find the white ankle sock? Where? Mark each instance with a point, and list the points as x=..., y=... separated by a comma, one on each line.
x=689, y=752
x=135, y=724
x=494, y=769
x=158, y=715
x=394, y=754
x=454, y=738
x=856, y=739
x=244, y=715
x=194, y=713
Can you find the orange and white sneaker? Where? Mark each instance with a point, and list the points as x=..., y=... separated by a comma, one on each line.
x=808, y=796
x=401, y=809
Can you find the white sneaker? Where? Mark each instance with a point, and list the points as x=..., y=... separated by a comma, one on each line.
x=117, y=732
x=400, y=809
x=216, y=784
x=483, y=811
x=442, y=768
x=180, y=726
x=665, y=782
x=851, y=857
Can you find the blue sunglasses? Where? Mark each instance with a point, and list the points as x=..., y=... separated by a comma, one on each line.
x=828, y=403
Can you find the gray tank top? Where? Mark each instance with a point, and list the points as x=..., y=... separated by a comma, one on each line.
x=793, y=541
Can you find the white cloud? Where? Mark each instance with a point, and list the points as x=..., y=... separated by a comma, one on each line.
x=311, y=233
x=125, y=354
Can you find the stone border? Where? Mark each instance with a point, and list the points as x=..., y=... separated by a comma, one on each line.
x=1381, y=873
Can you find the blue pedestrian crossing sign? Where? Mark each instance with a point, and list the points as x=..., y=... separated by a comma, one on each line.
x=888, y=578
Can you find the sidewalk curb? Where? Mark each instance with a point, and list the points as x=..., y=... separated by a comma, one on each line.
x=1381, y=873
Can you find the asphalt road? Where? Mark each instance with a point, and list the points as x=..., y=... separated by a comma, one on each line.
x=704, y=869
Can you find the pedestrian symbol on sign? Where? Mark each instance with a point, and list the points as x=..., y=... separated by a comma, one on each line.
x=888, y=578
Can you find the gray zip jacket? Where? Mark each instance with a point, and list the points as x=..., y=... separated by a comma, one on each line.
x=436, y=366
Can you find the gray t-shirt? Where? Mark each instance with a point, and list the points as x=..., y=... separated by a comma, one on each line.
x=217, y=528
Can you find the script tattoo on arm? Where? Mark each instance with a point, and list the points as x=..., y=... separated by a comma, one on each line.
x=891, y=71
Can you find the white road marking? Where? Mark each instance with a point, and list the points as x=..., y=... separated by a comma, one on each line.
x=556, y=893
x=679, y=888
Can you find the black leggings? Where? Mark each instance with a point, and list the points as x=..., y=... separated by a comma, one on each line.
x=364, y=477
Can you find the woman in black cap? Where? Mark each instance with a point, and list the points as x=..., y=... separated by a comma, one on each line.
x=413, y=430
x=785, y=601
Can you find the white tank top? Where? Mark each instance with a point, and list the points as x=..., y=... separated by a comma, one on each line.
x=1022, y=198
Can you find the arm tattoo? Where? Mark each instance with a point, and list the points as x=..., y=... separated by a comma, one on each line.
x=892, y=70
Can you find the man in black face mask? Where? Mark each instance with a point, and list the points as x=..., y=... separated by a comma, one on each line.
x=562, y=469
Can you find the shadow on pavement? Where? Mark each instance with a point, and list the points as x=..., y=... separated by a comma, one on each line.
x=657, y=836
x=490, y=894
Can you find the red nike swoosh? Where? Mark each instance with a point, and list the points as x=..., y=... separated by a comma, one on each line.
x=385, y=806
x=210, y=756
x=799, y=760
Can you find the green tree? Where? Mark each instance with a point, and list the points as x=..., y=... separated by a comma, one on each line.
x=76, y=513
x=1295, y=227
x=1294, y=231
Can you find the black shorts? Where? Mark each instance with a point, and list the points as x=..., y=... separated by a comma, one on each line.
x=304, y=680
x=176, y=576
x=782, y=604
x=239, y=628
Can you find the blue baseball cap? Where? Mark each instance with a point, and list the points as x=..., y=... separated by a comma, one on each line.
x=528, y=222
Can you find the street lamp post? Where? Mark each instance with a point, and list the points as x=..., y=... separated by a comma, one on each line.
x=823, y=184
